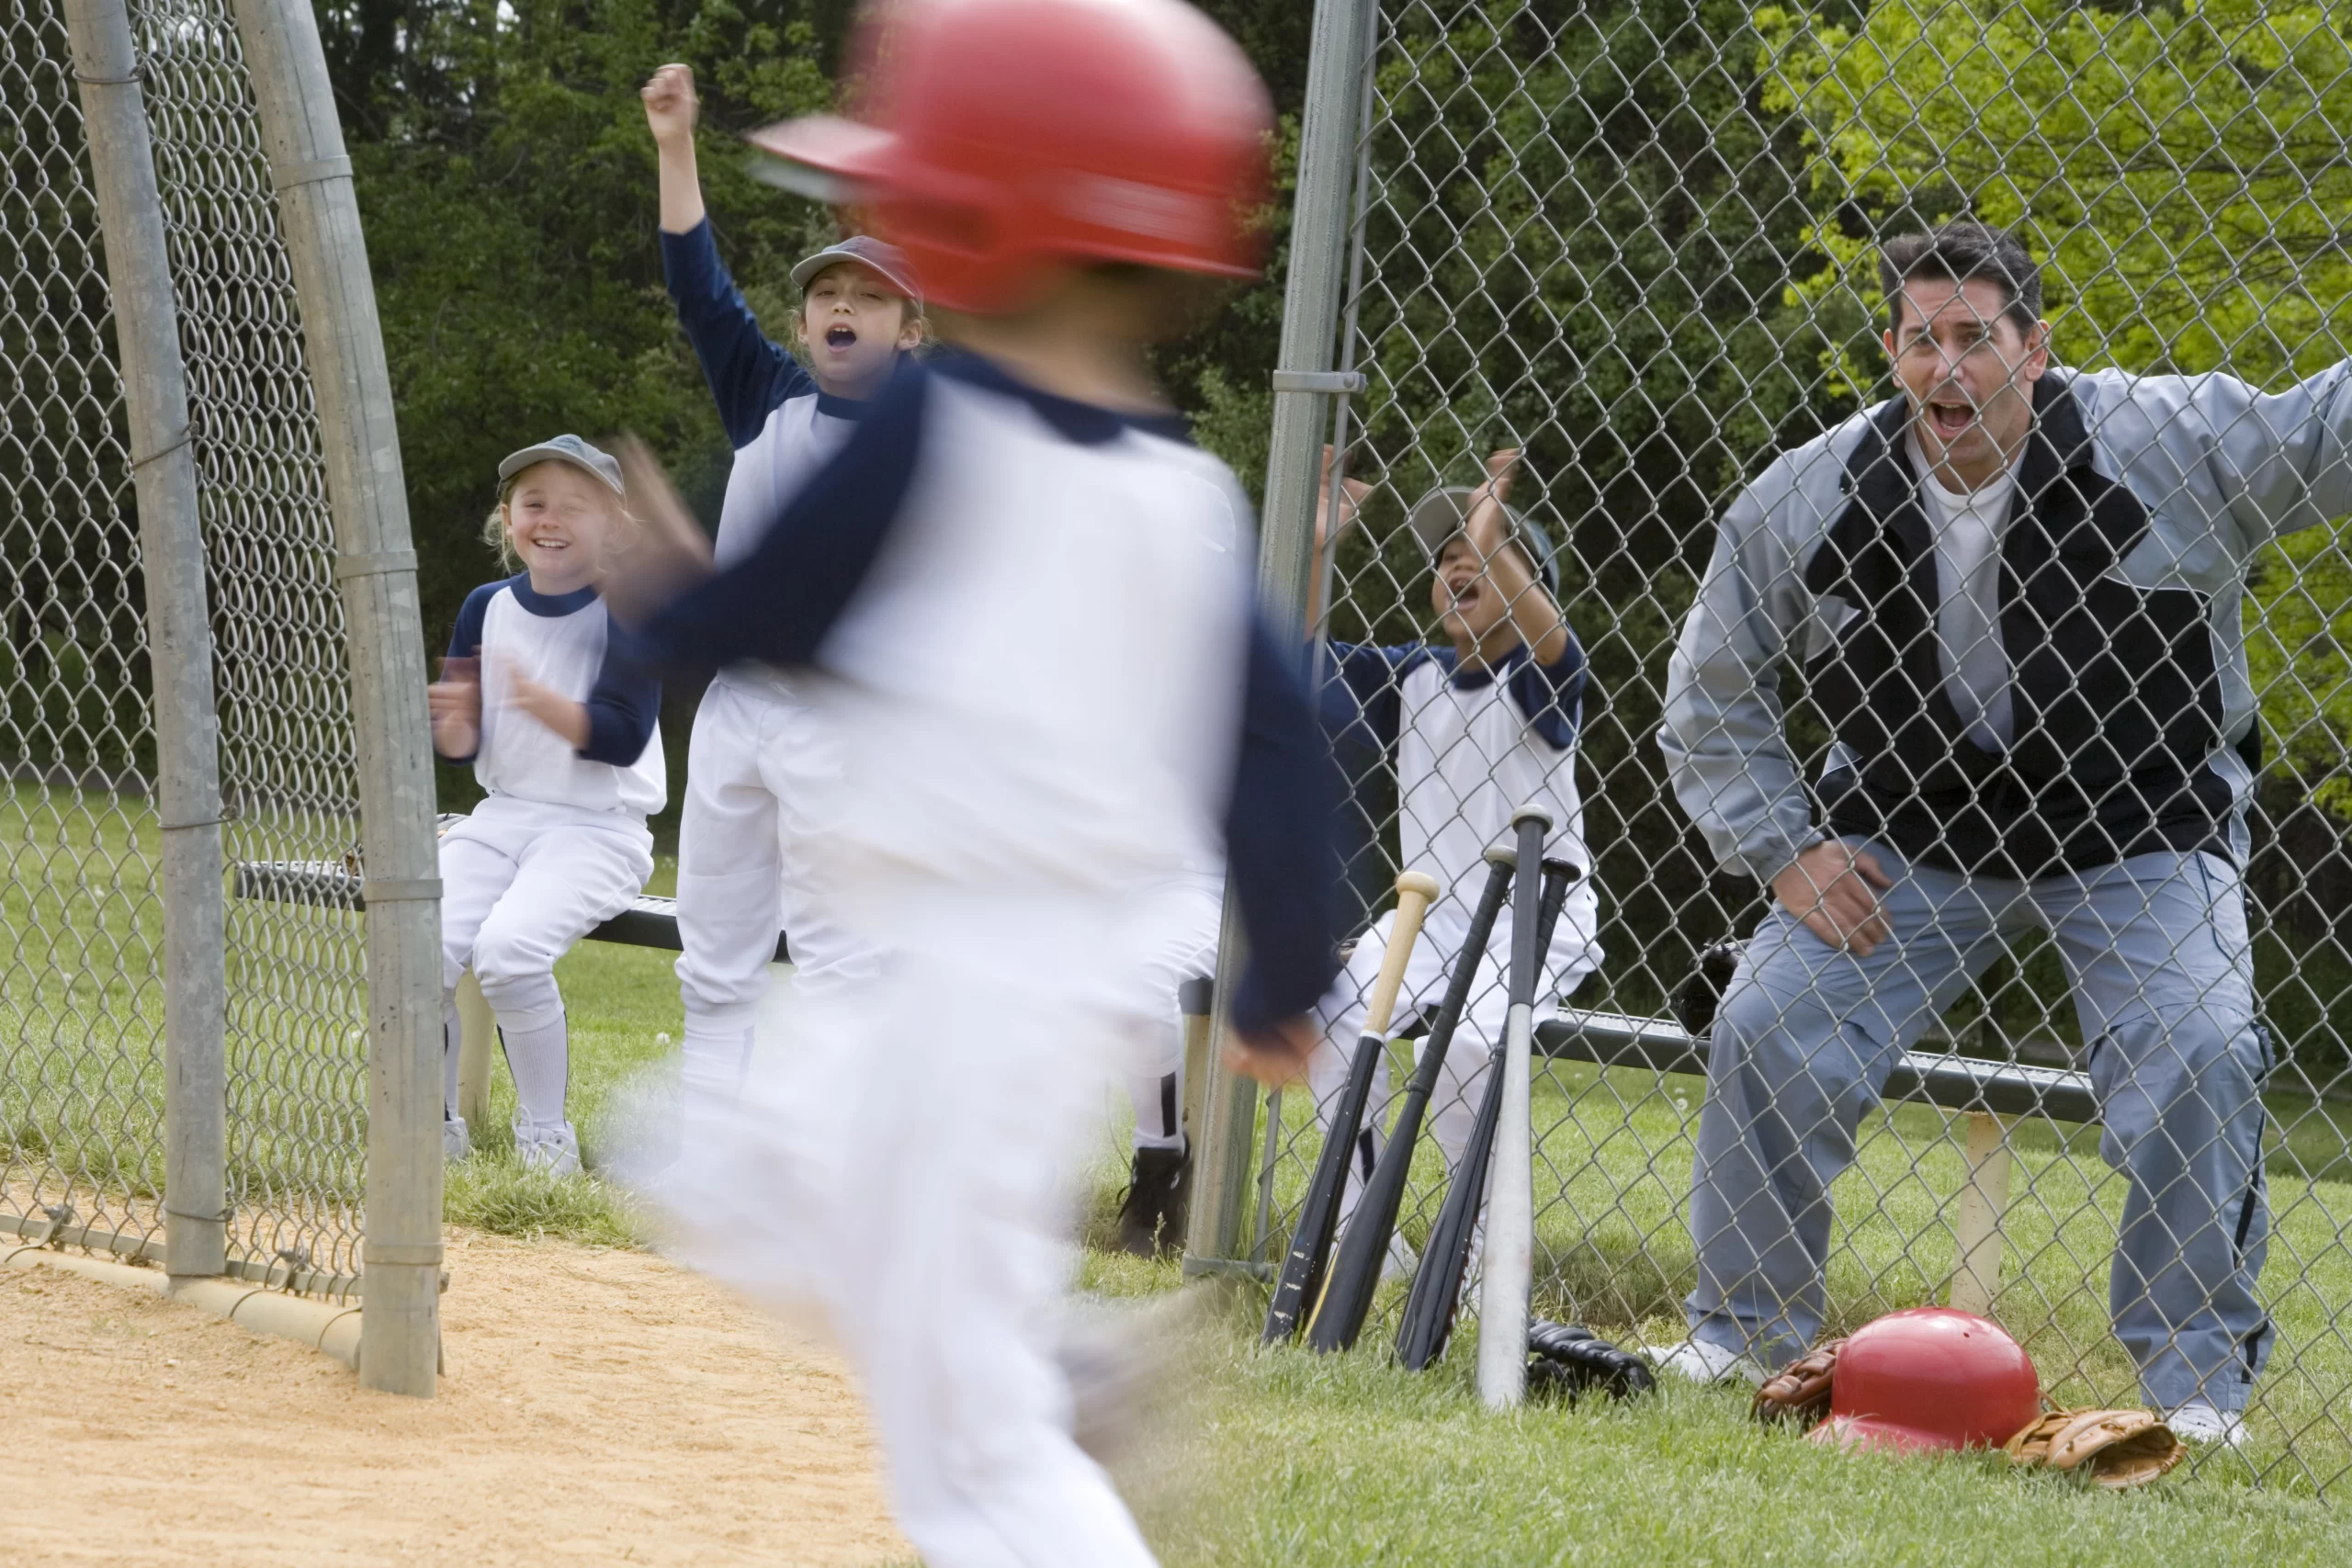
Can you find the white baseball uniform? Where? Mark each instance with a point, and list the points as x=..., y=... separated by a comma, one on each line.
x=1005, y=802
x=739, y=883
x=559, y=844
x=1470, y=747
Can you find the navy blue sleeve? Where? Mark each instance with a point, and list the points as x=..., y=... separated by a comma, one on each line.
x=749, y=375
x=1551, y=695
x=1365, y=704
x=625, y=702
x=465, y=639
x=1278, y=841
x=776, y=603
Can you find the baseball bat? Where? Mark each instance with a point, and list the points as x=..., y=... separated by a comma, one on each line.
x=1437, y=1284
x=1354, y=1275
x=1510, y=1205
x=1319, y=1217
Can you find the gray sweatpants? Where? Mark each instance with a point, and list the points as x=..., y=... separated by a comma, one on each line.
x=2162, y=968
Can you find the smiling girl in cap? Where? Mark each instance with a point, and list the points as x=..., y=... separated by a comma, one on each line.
x=541, y=695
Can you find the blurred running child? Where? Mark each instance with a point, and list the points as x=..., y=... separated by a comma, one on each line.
x=1053, y=168
x=1474, y=731
x=539, y=692
x=739, y=882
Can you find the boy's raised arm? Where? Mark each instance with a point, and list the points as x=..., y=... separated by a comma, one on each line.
x=749, y=375
x=1532, y=612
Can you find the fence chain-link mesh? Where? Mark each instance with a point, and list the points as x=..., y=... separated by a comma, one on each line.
x=1636, y=243
x=82, y=1061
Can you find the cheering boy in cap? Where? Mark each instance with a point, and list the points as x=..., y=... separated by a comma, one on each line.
x=1475, y=730
x=742, y=823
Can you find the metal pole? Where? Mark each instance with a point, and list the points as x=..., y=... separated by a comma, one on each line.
x=179, y=638
x=1335, y=87
x=400, y=1331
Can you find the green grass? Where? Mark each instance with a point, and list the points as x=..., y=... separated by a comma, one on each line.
x=82, y=1094
x=1301, y=1460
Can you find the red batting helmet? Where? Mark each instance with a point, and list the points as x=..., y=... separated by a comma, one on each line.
x=1930, y=1378
x=997, y=139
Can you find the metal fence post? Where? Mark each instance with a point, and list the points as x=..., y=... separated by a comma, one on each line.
x=179, y=638
x=376, y=570
x=1319, y=234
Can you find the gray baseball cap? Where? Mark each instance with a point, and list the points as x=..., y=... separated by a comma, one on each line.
x=1442, y=512
x=885, y=259
x=566, y=450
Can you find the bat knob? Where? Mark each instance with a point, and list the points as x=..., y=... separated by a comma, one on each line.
x=1557, y=867
x=1503, y=855
x=1532, y=812
x=1419, y=883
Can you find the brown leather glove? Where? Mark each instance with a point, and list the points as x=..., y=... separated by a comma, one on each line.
x=2115, y=1448
x=1800, y=1390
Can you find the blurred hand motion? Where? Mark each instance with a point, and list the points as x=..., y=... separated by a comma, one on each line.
x=671, y=553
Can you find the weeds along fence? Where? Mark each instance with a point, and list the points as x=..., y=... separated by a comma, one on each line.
x=212, y=655
x=1636, y=241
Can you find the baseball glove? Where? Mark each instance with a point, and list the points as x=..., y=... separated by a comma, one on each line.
x=1567, y=1358
x=1696, y=998
x=2115, y=1448
x=1800, y=1390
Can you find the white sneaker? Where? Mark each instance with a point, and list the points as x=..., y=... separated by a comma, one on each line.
x=552, y=1150
x=455, y=1143
x=1401, y=1260
x=2200, y=1422
x=1701, y=1361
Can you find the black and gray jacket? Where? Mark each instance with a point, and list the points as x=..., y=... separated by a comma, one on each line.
x=2141, y=502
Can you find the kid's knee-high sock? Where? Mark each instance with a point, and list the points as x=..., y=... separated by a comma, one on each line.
x=539, y=1057
x=710, y=1072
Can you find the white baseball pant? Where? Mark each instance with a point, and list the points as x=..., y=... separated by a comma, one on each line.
x=740, y=879
x=905, y=1166
x=1189, y=912
x=521, y=882
x=1454, y=1102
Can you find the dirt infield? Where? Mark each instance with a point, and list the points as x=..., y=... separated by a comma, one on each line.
x=599, y=1406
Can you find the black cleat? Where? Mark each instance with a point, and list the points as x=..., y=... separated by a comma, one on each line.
x=1160, y=1190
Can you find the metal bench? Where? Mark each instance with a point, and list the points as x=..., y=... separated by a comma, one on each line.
x=648, y=921
x=1988, y=1091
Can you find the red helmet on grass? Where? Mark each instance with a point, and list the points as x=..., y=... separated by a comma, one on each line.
x=1930, y=1378
x=998, y=141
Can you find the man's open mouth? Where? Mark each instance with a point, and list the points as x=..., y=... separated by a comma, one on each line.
x=1951, y=420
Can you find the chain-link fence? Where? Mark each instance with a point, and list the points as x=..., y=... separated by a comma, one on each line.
x=88, y=1105
x=1638, y=243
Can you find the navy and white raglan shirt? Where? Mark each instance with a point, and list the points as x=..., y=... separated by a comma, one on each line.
x=782, y=428
x=1036, y=640
x=566, y=641
x=1470, y=747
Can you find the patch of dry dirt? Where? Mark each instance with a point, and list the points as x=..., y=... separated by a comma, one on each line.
x=598, y=1407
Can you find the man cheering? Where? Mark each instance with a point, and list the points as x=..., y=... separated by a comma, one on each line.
x=2015, y=590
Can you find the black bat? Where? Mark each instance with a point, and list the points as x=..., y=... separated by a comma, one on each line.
x=1318, y=1217
x=1437, y=1284
x=1355, y=1274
